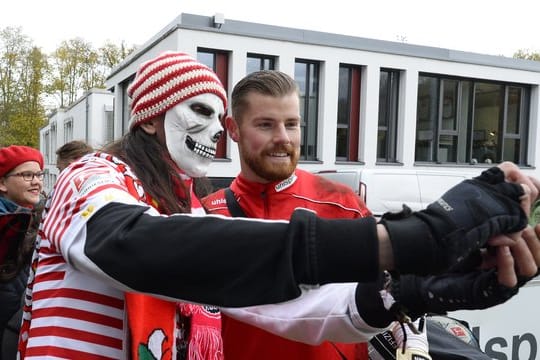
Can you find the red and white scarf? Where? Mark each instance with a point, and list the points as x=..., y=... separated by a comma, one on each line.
x=157, y=327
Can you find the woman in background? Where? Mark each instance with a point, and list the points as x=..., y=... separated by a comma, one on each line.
x=21, y=183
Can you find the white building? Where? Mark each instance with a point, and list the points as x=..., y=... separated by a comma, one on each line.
x=365, y=102
x=89, y=119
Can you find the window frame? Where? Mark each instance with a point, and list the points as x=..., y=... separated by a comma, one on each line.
x=470, y=127
x=387, y=153
x=266, y=62
x=309, y=106
x=220, y=65
x=350, y=110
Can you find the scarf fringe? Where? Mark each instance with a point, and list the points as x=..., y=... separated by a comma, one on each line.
x=205, y=343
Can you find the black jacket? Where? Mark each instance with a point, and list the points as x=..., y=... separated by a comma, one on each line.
x=10, y=296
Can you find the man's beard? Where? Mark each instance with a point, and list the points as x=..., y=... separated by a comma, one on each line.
x=260, y=165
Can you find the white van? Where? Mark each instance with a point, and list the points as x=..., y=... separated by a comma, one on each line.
x=387, y=189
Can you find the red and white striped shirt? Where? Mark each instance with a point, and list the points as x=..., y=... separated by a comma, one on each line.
x=69, y=313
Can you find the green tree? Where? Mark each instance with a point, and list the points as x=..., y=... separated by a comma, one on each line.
x=527, y=55
x=22, y=67
x=31, y=81
x=70, y=64
x=77, y=67
x=32, y=116
x=112, y=54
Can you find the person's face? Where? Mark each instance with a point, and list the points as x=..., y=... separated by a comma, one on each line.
x=268, y=137
x=192, y=130
x=20, y=191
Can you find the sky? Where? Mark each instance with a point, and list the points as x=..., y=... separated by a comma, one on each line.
x=494, y=27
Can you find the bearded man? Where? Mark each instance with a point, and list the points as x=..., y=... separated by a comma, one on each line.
x=333, y=321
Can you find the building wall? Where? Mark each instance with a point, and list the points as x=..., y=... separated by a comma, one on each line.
x=189, y=33
x=88, y=118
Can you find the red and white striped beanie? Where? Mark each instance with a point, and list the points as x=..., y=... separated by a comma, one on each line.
x=167, y=80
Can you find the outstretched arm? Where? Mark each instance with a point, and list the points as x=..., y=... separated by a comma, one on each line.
x=240, y=262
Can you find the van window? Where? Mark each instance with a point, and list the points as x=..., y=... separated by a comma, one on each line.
x=433, y=185
x=349, y=178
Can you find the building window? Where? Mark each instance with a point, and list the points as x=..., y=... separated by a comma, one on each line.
x=388, y=115
x=52, y=142
x=68, y=130
x=219, y=62
x=471, y=121
x=306, y=74
x=47, y=147
x=257, y=62
x=109, y=125
x=126, y=101
x=348, y=116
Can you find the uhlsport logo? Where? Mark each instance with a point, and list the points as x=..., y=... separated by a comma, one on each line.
x=220, y=201
x=285, y=183
x=446, y=206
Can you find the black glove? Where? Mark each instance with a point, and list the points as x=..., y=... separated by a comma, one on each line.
x=459, y=223
x=449, y=292
x=416, y=295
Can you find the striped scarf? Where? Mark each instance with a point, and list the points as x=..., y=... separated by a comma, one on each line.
x=166, y=330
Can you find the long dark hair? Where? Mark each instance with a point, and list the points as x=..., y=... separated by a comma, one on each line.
x=150, y=161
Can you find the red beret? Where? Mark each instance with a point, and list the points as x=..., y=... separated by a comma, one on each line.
x=14, y=155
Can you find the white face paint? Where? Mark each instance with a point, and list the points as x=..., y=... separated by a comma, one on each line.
x=192, y=130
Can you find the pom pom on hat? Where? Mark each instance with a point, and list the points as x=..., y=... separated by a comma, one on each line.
x=167, y=80
x=14, y=155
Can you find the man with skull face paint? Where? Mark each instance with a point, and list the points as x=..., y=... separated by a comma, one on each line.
x=114, y=229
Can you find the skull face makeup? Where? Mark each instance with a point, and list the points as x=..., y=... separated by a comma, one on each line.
x=192, y=130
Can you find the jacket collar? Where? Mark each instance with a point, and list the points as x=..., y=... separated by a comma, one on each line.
x=242, y=185
x=8, y=206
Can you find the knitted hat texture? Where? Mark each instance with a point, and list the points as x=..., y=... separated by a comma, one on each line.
x=14, y=155
x=167, y=80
